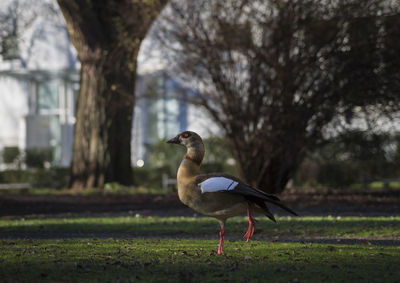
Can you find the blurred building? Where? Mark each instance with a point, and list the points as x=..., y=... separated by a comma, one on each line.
x=39, y=75
x=37, y=110
x=39, y=84
x=161, y=111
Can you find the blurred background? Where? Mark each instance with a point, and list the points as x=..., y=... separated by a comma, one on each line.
x=286, y=94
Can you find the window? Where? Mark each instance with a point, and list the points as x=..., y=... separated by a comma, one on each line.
x=164, y=110
x=48, y=96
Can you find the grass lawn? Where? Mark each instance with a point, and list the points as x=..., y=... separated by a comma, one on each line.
x=182, y=249
x=137, y=226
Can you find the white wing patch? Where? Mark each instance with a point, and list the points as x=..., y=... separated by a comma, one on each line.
x=217, y=184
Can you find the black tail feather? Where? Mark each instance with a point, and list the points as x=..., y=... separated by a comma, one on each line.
x=260, y=203
x=256, y=196
x=273, y=197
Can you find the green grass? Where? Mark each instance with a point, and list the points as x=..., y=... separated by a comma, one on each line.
x=299, y=227
x=182, y=249
x=375, y=186
x=381, y=185
x=172, y=260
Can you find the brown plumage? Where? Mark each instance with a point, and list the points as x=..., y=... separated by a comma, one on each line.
x=218, y=195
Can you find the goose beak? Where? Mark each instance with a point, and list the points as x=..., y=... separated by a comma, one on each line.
x=174, y=140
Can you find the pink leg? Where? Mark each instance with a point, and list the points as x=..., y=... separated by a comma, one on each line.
x=252, y=225
x=221, y=239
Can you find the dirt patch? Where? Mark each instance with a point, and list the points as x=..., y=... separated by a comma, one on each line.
x=322, y=203
x=344, y=203
x=65, y=203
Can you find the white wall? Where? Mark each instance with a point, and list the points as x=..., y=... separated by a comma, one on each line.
x=13, y=108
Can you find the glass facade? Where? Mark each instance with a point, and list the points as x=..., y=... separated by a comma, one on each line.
x=51, y=117
x=166, y=110
x=49, y=105
x=161, y=112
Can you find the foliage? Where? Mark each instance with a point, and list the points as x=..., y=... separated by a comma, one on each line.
x=11, y=154
x=52, y=177
x=36, y=157
x=116, y=188
x=350, y=158
x=152, y=258
x=150, y=177
x=338, y=174
x=163, y=155
x=275, y=74
x=217, y=150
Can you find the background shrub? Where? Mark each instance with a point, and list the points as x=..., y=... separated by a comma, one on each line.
x=11, y=154
x=53, y=177
x=35, y=157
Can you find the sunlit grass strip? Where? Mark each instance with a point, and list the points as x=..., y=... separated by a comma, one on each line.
x=330, y=227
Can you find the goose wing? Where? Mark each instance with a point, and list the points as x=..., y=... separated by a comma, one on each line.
x=211, y=183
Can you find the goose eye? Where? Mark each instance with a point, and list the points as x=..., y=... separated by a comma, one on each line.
x=185, y=135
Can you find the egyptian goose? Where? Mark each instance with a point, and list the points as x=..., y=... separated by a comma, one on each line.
x=218, y=195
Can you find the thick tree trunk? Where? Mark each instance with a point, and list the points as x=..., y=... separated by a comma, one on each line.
x=107, y=36
x=101, y=151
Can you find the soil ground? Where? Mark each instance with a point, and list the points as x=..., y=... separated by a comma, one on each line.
x=317, y=203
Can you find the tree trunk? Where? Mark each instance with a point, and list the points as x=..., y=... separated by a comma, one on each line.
x=270, y=173
x=101, y=151
x=268, y=162
x=107, y=37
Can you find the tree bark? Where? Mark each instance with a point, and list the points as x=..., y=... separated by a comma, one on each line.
x=107, y=37
x=103, y=130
